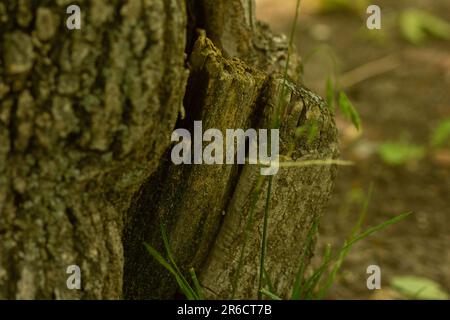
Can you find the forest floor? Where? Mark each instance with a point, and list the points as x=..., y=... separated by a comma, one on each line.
x=401, y=99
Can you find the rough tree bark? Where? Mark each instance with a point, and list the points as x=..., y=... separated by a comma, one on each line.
x=85, y=123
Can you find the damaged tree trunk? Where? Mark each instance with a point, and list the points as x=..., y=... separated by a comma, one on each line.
x=86, y=118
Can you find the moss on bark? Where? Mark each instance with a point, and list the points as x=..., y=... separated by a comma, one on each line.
x=85, y=123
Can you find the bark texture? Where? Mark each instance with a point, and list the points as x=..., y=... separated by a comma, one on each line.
x=86, y=118
x=297, y=198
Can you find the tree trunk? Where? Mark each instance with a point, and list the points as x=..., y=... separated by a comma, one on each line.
x=86, y=118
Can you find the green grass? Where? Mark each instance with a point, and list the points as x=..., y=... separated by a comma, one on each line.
x=276, y=123
x=417, y=26
x=314, y=286
x=399, y=153
x=334, y=93
x=194, y=292
x=279, y=109
x=441, y=134
x=349, y=110
x=317, y=284
x=264, y=238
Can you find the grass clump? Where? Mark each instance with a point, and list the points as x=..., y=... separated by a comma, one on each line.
x=192, y=292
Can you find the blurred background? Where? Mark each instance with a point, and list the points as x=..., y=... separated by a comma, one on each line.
x=398, y=79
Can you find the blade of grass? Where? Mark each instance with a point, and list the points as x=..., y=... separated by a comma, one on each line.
x=348, y=244
x=349, y=110
x=268, y=281
x=312, y=282
x=184, y=286
x=174, y=264
x=198, y=287
x=330, y=93
x=363, y=214
x=277, y=120
x=270, y=294
x=309, y=163
x=264, y=238
x=377, y=228
x=155, y=254
x=276, y=124
x=254, y=198
x=301, y=270
x=344, y=251
x=332, y=276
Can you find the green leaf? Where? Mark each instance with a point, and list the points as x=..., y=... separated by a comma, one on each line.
x=416, y=25
x=419, y=288
x=411, y=27
x=441, y=135
x=349, y=110
x=399, y=153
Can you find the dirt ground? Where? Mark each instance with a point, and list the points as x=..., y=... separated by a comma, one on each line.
x=401, y=93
